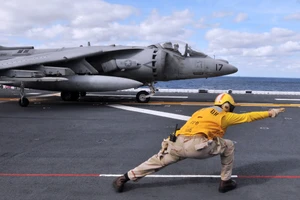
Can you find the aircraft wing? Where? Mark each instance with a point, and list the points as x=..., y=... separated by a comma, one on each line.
x=57, y=56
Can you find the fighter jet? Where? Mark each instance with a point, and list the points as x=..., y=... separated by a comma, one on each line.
x=78, y=70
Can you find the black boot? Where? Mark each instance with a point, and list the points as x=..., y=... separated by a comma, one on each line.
x=119, y=183
x=226, y=186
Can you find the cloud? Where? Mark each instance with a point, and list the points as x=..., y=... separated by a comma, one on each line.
x=295, y=16
x=256, y=53
x=99, y=13
x=281, y=32
x=113, y=32
x=234, y=39
x=67, y=23
x=154, y=28
x=48, y=33
x=90, y=20
x=224, y=38
x=222, y=14
x=162, y=27
x=30, y=13
x=202, y=24
x=260, y=51
x=71, y=13
x=290, y=46
x=241, y=17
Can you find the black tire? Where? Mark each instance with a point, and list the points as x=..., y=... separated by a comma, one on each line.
x=82, y=94
x=141, y=97
x=75, y=96
x=66, y=96
x=23, y=102
x=69, y=96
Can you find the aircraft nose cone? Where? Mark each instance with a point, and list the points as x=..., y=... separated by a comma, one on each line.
x=232, y=69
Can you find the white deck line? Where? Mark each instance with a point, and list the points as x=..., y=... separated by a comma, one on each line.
x=124, y=95
x=152, y=112
x=220, y=91
x=277, y=99
x=171, y=176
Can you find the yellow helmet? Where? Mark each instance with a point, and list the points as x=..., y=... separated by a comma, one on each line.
x=223, y=98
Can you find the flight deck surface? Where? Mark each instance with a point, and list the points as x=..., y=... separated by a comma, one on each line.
x=74, y=150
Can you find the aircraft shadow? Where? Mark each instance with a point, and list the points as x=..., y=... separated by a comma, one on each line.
x=263, y=168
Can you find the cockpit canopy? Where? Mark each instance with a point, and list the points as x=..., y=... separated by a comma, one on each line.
x=181, y=48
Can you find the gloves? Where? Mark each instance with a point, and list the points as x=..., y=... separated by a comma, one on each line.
x=275, y=111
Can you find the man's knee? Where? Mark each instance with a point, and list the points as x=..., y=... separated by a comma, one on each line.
x=229, y=147
x=229, y=144
x=169, y=159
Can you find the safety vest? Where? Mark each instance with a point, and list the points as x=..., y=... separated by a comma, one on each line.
x=204, y=121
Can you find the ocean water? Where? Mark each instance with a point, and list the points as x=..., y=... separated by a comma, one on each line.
x=235, y=83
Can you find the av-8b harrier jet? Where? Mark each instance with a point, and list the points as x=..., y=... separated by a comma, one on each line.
x=78, y=70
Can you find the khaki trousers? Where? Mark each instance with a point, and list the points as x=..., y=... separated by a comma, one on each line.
x=197, y=147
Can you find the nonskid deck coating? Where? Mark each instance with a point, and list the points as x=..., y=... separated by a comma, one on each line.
x=81, y=141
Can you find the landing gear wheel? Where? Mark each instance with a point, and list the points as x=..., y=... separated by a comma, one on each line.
x=82, y=94
x=66, y=96
x=142, y=97
x=75, y=96
x=69, y=96
x=23, y=102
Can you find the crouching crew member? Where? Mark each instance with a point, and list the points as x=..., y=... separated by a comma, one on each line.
x=200, y=137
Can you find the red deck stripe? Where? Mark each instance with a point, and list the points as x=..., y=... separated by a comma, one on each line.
x=269, y=177
x=97, y=175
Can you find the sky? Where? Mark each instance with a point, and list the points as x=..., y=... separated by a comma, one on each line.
x=260, y=37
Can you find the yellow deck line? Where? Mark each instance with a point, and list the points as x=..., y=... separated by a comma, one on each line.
x=211, y=103
x=9, y=99
x=33, y=99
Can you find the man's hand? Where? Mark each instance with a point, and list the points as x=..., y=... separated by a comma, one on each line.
x=275, y=111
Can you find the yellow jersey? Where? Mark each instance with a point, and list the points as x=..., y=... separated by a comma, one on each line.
x=213, y=121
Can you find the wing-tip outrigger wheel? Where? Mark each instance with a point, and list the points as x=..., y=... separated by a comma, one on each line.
x=23, y=101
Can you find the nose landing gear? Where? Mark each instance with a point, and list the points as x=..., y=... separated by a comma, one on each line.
x=144, y=96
